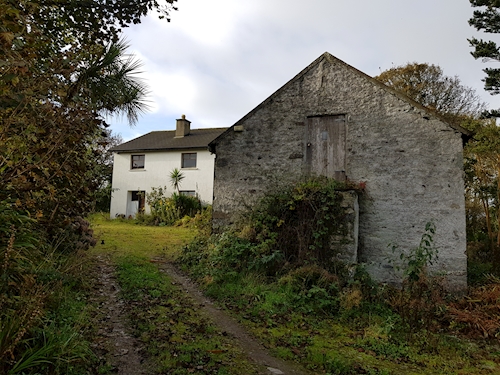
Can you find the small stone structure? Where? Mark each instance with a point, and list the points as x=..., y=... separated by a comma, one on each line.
x=334, y=120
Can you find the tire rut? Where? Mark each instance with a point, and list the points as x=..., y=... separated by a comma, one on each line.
x=255, y=351
x=123, y=349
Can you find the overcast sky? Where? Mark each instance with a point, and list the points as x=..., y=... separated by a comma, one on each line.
x=218, y=59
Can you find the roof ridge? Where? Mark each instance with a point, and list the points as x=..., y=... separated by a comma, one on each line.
x=333, y=59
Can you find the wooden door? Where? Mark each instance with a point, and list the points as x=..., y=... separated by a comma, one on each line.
x=326, y=146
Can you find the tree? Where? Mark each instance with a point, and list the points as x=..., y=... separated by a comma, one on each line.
x=63, y=68
x=427, y=85
x=487, y=19
x=103, y=169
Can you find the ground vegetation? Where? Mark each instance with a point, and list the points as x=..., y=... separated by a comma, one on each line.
x=63, y=68
x=331, y=317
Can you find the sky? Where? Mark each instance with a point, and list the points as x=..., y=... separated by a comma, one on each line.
x=218, y=59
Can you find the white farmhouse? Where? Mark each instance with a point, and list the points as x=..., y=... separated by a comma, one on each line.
x=147, y=161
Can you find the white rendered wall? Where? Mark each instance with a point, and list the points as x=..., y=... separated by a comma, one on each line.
x=156, y=173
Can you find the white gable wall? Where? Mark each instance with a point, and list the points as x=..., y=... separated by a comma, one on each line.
x=156, y=173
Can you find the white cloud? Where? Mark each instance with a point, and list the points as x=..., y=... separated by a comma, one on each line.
x=218, y=59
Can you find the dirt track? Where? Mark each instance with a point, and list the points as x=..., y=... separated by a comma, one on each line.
x=125, y=354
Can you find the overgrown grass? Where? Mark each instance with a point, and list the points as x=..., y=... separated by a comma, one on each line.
x=127, y=237
x=179, y=339
x=330, y=318
x=44, y=320
x=344, y=335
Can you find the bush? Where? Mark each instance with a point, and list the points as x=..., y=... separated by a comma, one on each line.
x=35, y=281
x=168, y=210
x=299, y=222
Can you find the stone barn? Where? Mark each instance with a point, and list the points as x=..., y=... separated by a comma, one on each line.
x=331, y=119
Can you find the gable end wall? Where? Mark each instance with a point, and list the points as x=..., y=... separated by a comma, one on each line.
x=411, y=163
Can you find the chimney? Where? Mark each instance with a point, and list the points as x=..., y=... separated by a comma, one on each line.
x=183, y=127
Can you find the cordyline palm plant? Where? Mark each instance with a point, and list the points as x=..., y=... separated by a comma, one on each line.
x=176, y=176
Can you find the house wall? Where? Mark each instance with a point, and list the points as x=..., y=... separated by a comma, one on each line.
x=410, y=161
x=156, y=172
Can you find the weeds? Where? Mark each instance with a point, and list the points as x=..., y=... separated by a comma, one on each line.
x=332, y=319
x=37, y=286
x=420, y=299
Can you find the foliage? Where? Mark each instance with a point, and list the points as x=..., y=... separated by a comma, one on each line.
x=421, y=295
x=487, y=19
x=176, y=177
x=52, y=102
x=427, y=85
x=169, y=210
x=482, y=167
x=365, y=338
x=62, y=69
x=296, y=225
x=478, y=314
x=41, y=315
x=80, y=22
x=415, y=264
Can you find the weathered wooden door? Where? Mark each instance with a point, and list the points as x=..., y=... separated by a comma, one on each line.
x=326, y=146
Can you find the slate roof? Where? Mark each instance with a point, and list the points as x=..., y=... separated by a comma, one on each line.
x=166, y=141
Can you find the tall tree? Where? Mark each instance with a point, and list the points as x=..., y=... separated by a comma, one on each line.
x=429, y=86
x=487, y=19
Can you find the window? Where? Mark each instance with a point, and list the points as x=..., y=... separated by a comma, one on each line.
x=189, y=193
x=137, y=161
x=188, y=160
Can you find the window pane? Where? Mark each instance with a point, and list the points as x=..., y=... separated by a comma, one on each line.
x=137, y=161
x=188, y=160
x=190, y=193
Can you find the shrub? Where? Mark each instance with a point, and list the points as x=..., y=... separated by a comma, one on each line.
x=299, y=222
x=421, y=295
x=168, y=210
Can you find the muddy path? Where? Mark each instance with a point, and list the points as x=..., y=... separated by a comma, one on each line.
x=118, y=350
x=226, y=323
x=121, y=353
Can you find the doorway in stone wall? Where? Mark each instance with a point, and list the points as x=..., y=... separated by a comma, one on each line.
x=326, y=146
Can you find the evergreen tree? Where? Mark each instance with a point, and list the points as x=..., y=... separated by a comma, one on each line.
x=487, y=19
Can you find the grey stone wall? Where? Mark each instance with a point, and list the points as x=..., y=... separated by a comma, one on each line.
x=410, y=161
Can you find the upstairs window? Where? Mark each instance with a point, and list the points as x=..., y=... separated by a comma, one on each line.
x=137, y=162
x=188, y=160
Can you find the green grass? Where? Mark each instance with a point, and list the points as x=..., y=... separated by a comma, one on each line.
x=306, y=327
x=178, y=337
x=348, y=342
x=126, y=237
